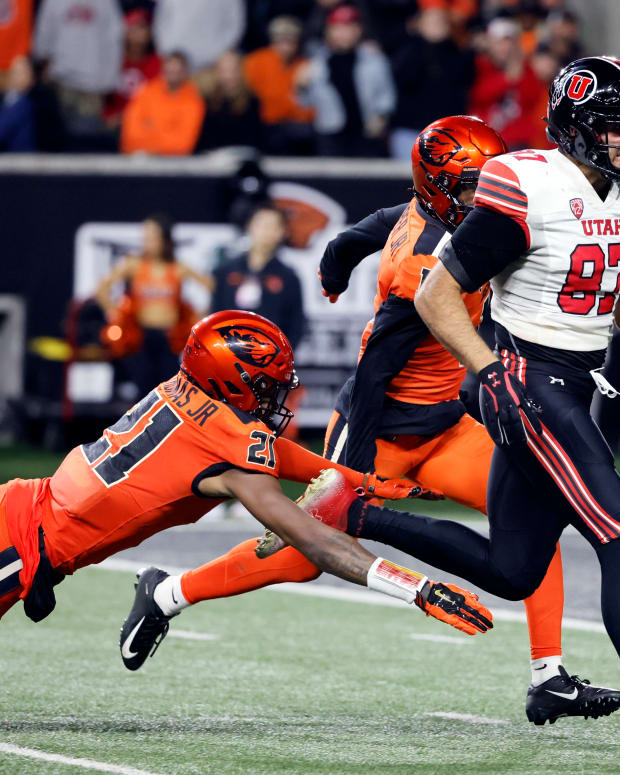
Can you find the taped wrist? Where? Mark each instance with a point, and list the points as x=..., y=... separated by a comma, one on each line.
x=394, y=580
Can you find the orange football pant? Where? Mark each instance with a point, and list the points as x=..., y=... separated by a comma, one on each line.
x=455, y=462
x=10, y=598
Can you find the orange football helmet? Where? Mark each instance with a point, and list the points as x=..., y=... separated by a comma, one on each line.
x=245, y=360
x=446, y=157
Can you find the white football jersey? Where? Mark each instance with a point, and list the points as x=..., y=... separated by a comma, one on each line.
x=562, y=292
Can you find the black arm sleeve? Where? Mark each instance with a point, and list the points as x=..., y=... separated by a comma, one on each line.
x=345, y=251
x=482, y=247
x=397, y=331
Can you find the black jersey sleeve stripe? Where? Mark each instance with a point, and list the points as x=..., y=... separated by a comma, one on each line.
x=485, y=191
x=498, y=184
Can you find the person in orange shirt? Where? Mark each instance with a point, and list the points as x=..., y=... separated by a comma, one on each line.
x=15, y=34
x=165, y=116
x=271, y=73
x=152, y=318
x=209, y=433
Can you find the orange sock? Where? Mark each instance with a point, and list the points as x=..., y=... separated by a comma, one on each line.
x=544, y=612
x=241, y=571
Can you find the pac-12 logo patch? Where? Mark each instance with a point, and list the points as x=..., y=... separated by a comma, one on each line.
x=576, y=206
x=250, y=345
x=580, y=86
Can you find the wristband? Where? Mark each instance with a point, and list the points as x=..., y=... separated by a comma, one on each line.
x=394, y=580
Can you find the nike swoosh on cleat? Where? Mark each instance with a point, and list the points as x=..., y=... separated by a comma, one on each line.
x=126, y=651
x=540, y=668
x=571, y=696
x=174, y=600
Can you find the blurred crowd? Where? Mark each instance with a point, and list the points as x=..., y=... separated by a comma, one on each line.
x=294, y=77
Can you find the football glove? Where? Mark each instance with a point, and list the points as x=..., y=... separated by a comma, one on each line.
x=389, y=489
x=333, y=297
x=454, y=606
x=503, y=403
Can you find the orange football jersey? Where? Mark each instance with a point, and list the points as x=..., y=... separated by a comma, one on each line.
x=142, y=475
x=432, y=374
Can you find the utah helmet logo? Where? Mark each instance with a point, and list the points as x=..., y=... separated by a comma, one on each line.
x=580, y=86
x=438, y=147
x=250, y=345
x=576, y=206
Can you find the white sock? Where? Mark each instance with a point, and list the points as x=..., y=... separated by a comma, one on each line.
x=544, y=668
x=169, y=596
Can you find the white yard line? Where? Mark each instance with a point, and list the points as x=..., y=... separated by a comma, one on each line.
x=455, y=641
x=87, y=764
x=191, y=635
x=359, y=595
x=466, y=717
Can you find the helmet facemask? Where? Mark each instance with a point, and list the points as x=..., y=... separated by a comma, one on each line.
x=271, y=396
x=450, y=186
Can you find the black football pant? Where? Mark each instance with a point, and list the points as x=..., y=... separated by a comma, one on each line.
x=566, y=476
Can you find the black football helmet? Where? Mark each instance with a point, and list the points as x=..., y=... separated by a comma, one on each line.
x=584, y=100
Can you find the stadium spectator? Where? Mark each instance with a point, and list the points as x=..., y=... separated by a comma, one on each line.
x=562, y=36
x=270, y=73
x=506, y=92
x=15, y=34
x=17, y=113
x=140, y=64
x=350, y=86
x=152, y=304
x=166, y=114
x=546, y=65
x=260, y=15
x=432, y=78
x=232, y=110
x=81, y=42
x=258, y=280
x=201, y=29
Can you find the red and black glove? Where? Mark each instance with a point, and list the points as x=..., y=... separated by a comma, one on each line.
x=503, y=405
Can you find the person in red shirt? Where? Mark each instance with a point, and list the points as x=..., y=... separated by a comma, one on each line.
x=140, y=64
x=506, y=92
x=15, y=34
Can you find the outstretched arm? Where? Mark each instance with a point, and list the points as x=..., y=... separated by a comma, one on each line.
x=337, y=553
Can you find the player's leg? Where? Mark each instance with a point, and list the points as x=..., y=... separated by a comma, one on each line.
x=459, y=466
x=240, y=571
x=511, y=563
x=580, y=469
x=10, y=563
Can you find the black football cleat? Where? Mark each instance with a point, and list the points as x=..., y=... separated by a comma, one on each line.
x=146, y=626
x=565, y=695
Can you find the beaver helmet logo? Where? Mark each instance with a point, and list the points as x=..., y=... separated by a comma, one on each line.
x=438, y=147
x=250, y=345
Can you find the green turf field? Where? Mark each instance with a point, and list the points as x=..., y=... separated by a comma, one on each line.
x=294, y=684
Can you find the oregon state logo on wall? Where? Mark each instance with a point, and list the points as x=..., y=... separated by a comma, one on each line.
x=250, y=345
